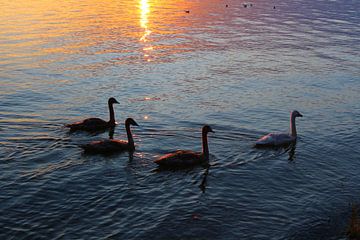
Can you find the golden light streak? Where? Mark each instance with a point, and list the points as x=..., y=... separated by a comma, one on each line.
x=144, y=22
x=144, y=12
x=148, y=48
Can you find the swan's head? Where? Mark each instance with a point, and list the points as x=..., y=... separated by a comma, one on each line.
x=131, y=121
x=296, y=114
x=207, y=129
x=112, y=100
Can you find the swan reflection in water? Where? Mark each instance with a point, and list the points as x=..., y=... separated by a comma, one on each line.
x=289, y=148
x=291, y=151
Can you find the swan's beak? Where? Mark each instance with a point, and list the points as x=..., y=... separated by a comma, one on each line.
x=300, y=115
x=211, y=131
x=135, y=124
x=116, y=101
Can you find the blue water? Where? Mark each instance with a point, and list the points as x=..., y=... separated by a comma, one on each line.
x=240, y=70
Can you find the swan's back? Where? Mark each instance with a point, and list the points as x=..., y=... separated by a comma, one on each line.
x=89, y=124
x=106, y=146
x=274, y=139
x=180, y=159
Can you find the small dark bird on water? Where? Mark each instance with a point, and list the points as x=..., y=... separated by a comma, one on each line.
x=187, y=11
x=96, y=124
x=274, y=7
x=227, y=5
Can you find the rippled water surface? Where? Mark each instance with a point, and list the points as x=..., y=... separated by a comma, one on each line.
x=239, y=69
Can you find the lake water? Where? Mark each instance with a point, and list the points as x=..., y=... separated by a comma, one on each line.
x=239, y=69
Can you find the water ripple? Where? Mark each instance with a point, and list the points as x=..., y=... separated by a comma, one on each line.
x=240, y=70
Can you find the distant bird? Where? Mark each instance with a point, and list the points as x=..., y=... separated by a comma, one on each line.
x=226, y=5
x=247, y=5
x=279, y=139
x=96, y=124
x=112, y=145
x=274, y=7
x=187, y=11
x=186, y=158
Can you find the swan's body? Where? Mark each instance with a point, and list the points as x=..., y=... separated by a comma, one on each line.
x=275, y=139
x=186, y=158
x=279, y=139
x=96, y=124
x=113, y=145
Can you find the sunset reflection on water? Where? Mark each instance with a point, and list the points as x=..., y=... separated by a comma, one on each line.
x=144, y=12
x=92, y=34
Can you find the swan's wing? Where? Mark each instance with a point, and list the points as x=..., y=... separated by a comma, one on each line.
x=88, y=124
x=94, y=146
x=88, y=121
x=118, y=142
x=176, y=154
x=274, y=139
x=266, y=140
x=105, y=146
x=179, y=158
x=119, y=145
x=94, y=122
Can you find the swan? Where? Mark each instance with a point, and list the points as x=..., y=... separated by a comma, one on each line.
x=113, y=145
x=279, y=139
x=95, y=124
x=186, y=158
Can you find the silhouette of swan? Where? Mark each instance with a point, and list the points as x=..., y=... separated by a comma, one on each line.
x=112, y=145
x=95, y=124
x=279, y=139
x=186, y=158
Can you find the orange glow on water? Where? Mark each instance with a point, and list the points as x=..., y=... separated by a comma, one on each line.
x=38, y=33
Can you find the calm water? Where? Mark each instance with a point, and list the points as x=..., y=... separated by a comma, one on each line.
x=240, y=70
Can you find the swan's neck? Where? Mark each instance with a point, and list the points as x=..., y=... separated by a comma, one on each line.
x=292, y=126
x=205, y=146
x=112, y=115
x=129, y=135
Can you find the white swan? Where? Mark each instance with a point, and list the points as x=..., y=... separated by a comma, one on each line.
x=279, y=139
